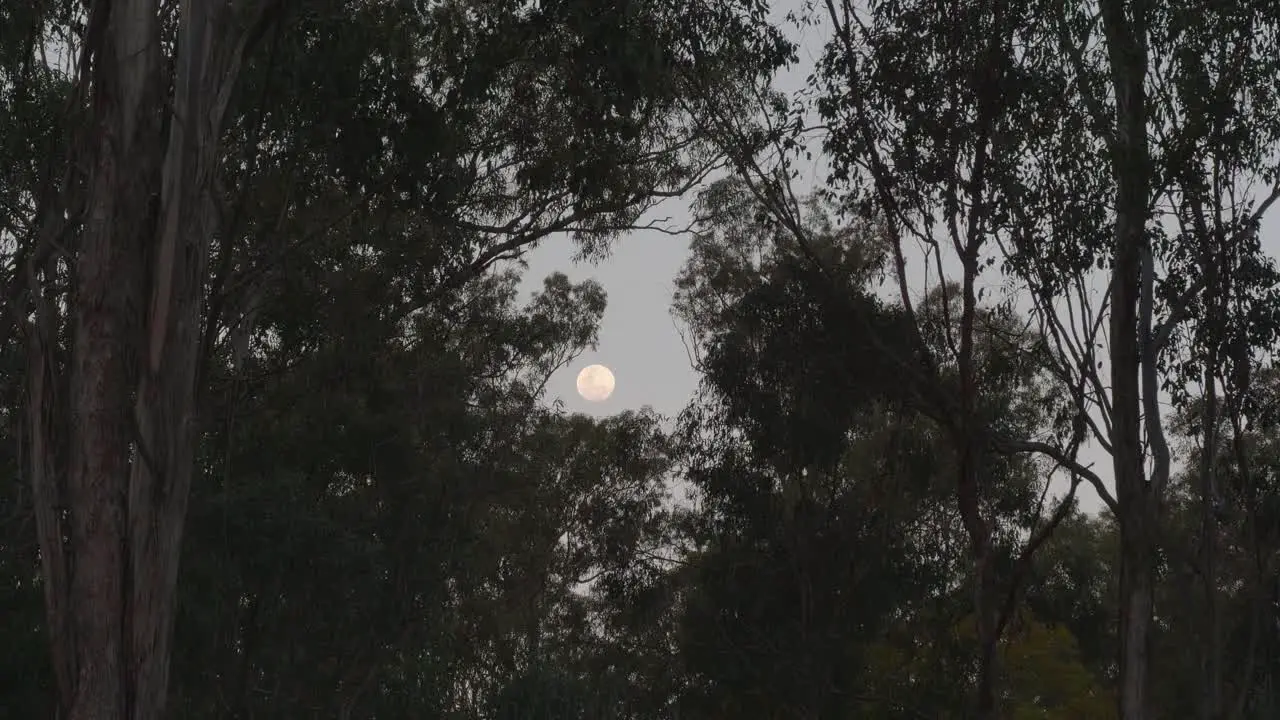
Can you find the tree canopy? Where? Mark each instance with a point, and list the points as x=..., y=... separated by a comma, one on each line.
x=275, y=435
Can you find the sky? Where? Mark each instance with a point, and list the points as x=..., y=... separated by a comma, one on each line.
x=640, y=341
x=638, y=337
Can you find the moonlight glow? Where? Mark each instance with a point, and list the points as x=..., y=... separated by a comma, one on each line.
x=595, y=383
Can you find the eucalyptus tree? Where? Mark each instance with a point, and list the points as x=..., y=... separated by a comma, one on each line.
x=1178, y=104
x=1067, y=141
x=188, y=150
x=920, y=137
x=927, y=137
x=412, y=540
x=819, y=521
x=1219, y=588
x=810, y=433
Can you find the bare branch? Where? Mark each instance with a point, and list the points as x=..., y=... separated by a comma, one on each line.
x=1009, y=446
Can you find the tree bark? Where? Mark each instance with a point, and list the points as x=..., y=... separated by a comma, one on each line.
x=1136, y=610
x=1211, y=646
x=108, y=272
x=110, y=522
x=986, y=599
x=1132, y=353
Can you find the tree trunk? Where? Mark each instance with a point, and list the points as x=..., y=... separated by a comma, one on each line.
x=110, y=522
x=105, y=332
x=1136, y=610
x=985, y=600
x=1211, y=646
x=988, y=639
x=1132, y=353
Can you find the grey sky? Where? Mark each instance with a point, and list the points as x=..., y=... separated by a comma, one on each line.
x=638, y=339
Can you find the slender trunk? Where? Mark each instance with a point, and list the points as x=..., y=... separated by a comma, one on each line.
x=1136, y=610
x=1261, y=613
x=1211, y=647
x=988, y=638
x=985, y=600
x=1124, y=25
x=993, y=67
x=45, y=446
x=165, y=407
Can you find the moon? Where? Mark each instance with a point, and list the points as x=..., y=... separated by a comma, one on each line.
x=595, y=383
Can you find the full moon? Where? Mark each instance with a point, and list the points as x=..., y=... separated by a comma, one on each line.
x=595, y=383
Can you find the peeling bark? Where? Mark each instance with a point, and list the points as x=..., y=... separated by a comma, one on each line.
x=110, y=522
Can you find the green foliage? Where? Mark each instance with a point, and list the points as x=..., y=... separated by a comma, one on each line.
x=829, y=549
x=457, y=513
x=389, y=520
x=543, y=695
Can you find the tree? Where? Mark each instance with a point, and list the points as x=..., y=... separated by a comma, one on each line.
x=1219, y=579
x=1049, y=147
x=130, y=263
x=820, y=517
x=1174, y=102
x=823, y=470
x=408, y=542
x=938, y=179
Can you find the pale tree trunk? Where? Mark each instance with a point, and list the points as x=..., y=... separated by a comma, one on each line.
x=1133, y=354
x=110, y=522
x=105, y=331
x=1211, y=645
x=1136, y=609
